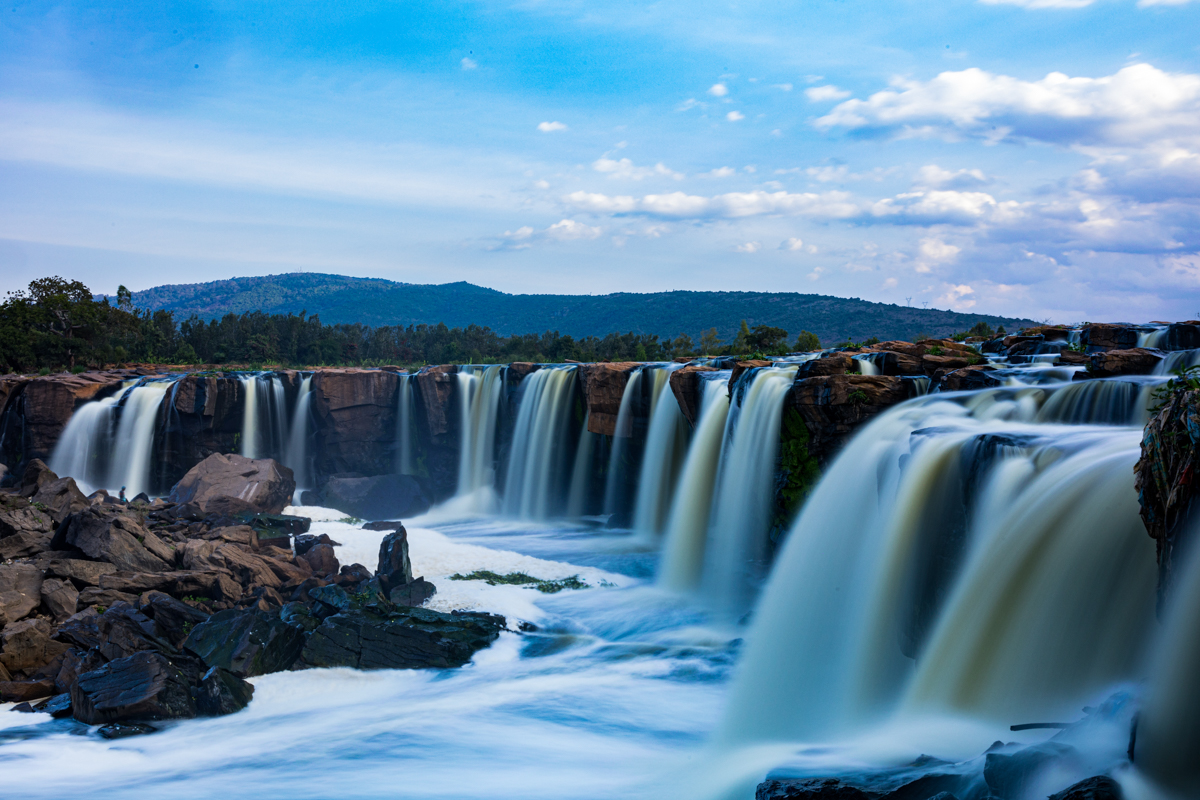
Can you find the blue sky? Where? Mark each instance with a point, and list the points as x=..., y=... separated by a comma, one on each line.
x=1038, y=158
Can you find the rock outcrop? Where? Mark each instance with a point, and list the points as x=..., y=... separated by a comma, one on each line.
x=355, y=413
x=233, y=484
x=834, y=406
x=603, y=386
x=687, y=386
x=1136, y=361
x=50, y=401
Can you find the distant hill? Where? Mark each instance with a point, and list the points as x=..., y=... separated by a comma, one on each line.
x=372, y=301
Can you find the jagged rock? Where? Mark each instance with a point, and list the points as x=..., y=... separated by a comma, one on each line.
x=381, y=496
x=1109, y=337
x=1181, y=336
x=322, y=559
x=1138, y=361
x=414, y=593
x=80, y=571
x=24, y=545
x=59, y=598
x=143, y=686
x=80, y=630
x=395, y=568
x=810, y=789
x=213, y=585
x=299, y=616
x=57, y=707
x=76, y=662
x=246, y=643
x=742, y=367
x=105, y=598
x=221, y=692
x=932, y=364
x=309, y=541
x=51, y=400
x=1008, y=774
x=520, y=370
x=352, y=575
x=603, y=385
x=1097, y=788
x=61, y=498
x=355, y=412
x=436, y=387
x=383, y=525
x=835, y=406
x=412, y=638
x=35, y=476
x=23, y=518
x=124, y=631
x=967, y=378
x=832, y=364
x=20, y=591
x=24, y=691
x=123, y=730
x=114, y=537
x=687, y=386
x=260, y=485
x=173, y=619
x=26, y=645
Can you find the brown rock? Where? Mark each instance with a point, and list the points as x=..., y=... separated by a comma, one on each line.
x=322, y=559
x=1138, y=361
x=36, y=475
x=740, y=367
x=833, y=364
x=973, y=377
x=80, y=571
x=23, y=519
x=116, y=538
x=50, y=401
x=833, y=407
x=932, y=364
x=107, y=598
x=20, y=591
x=686, y=385
x=520, y=370
x=59, y=597
x=247, y=568
x=25, y=691
x=1109, y=337
x=264, y=484
x=1072, y=358
x=436, y=385
x=603, y=385
x=27, y=645
x=23, y=545
x=61, y=498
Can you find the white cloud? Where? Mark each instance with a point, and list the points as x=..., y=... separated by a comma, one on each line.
x=566, y=230
x=1040, y=3
x=625, y=169
x=815, y=274
x=734, y=116
x=787, y=87
x=934, y=177
x=890, y=283
x=827, y=174
x=721, y=172
x=955, y=297
x=551, y=127
x=933, y=252
x=792, y=244
x=718, y=90
x=542, y=184
x=734, y=205
x=821, y=94
x=749, y=247
x=468, y=64
x=1137, y=106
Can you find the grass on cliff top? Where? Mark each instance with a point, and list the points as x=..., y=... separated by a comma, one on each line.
x=521, y=579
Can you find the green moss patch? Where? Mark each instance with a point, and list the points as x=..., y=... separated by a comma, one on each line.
x=521, y=579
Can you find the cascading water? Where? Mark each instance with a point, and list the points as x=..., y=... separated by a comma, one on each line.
x=404, y=450
x=249, y=443
x=735, y=559
x=616, y=485
x=581, y=472
x=534, y=485
x=277, y=415
x=683, y=546
x=957, y=557
x=479, y=392
x=296, y=452
x=85, y=446
x=666, y=449
x=1178, y=360
x=134, y=442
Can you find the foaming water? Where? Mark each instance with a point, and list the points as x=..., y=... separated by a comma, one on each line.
x=534, y=486
x=666, y=449
x=479, y=402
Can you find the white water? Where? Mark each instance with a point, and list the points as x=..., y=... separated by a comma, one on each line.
x=296, y=453
x=479, y=402
x=666, y=449
x=134, y=442
x=735, y=557
x=687, y=524
x=83, y=449
x=534, y=483
x=581, y=472
x=614, y=488
x=249, y=434
x=404, y=455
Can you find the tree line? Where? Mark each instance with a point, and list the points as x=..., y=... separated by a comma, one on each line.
x=57, y=324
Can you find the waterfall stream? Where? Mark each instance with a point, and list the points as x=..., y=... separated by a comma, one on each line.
x=666, y=449
x=404, y=401
x=535, y=485
x=296, y=453
x=250, y=435
x=479, y=390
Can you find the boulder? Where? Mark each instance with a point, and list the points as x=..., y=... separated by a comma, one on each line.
x=395, y=569
x=306, y=542
x=210, y=585
x=968, y=378
x=1137, y=361
x=260, y=485
x=173, y=619
x=687, y=386
x=221, y=692
x=26, y=645
x=143, y=686
x=1100, y=787
x=1008, y=775
x=35, y=476
x=123, y=631
x=378, y=497
x=80, y=571
x=59, y=598
x=24, y=545
x=833, y=407
x=931, y=364
x=20, y=517
x=322, y=560
x=246, y=643
x=603, y=385
x=436, y=387
x=413, y=594
x=103, y=598
x=355, y=414
x=20, y=591
x=24, y=691
x=61, y=498
x=410, y=638
x=112, y=536
x=1109, y=337
x=832, y=364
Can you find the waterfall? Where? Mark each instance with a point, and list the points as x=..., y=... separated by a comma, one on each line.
x=249, y=435
x=1180, y=359
x=666, y=448
x=278, y=417
x=615, y=486
x=581, y=473
x=534, y=479
x=954, y=557
x=1106, y=401
x=735, y=560
x=479, y=401
x=296, y=454
x=134, y=444
x=867, y=363
x=83, y=450
x=404, y=393
x=683, y=546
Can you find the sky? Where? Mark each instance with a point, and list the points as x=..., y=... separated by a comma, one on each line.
x=1031, y=158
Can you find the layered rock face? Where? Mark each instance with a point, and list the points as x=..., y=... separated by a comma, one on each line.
x=603, y=387
x=356, y=421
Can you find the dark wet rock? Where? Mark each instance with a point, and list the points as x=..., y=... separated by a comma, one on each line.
x=1100, y=787
x=58, y=706
x=117, y=538
x=80, y=629
x=26, y=645
x=24, y=545
x=412, y=638
x=17, y=516
x=123, y=730
x=221, y=692
x=143, y=686
x=35, y=476
x=125, y=631
x=1109, y=337
x=234, y=484
x=173, y=619
x=322, y=560
x=330, y=600
x=384, y=525
x=60, y=498
x=24, y=691
x=246, y=643
x=352, y=575
x=414, y=593
x=59, y=598
x=306, y=542
x=974, y=377
x=299, y=616
x=76, y=662
x=831, y=364
x=51, y=400
x=20, y=591
x=1137, y=361
x=355, y=415
x=810, y=789
x=377, y=497
x=1009, y=774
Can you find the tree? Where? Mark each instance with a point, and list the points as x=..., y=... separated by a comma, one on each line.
x=710, y=343
x=766, y=339
x=807, y=342
x=741, y=342
x=681, y=346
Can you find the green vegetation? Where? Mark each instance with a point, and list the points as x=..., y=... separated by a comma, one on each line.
x=798, y=473
x=521, y=579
